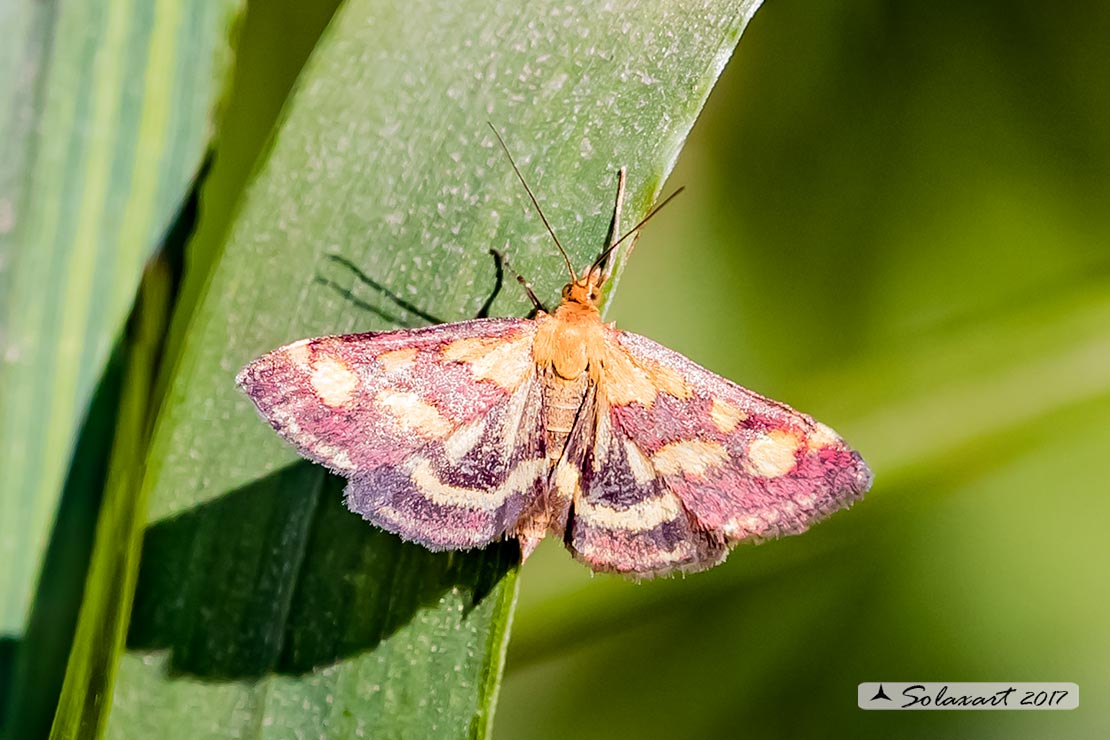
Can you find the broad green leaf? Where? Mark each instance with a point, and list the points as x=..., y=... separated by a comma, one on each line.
x=105, y=110
x=263, y=608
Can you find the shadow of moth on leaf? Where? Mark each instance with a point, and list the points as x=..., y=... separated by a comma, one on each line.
x=217, y=586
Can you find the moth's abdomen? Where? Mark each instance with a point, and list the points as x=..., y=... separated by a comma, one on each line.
x=562, y=400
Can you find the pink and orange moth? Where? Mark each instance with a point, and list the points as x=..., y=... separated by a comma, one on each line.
x=643, y=462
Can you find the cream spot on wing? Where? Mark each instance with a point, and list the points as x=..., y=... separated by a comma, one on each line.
x=640, y=517
x=464, y=439
x=665, y=379
x=603, y=438
x=398, y=359
x=642, y=472
x=624, y=382
x=634, y=375
x=505, y=362
x=468, y=349
x=692, y=456
x=333, y=381
x=412, y=413
x=523, y=477
x=771, y=455
x=725, y=416
x=567, y=481
x=297, y=353
x=822, y=436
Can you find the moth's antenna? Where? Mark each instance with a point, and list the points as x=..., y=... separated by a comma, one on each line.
x=570, y=268
x=605, y=255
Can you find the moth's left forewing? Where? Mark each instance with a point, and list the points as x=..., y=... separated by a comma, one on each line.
x=744, y=467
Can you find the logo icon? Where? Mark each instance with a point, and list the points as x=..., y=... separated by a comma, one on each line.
x=880, y=694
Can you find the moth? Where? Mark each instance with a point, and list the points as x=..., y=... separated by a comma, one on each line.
x=643, y=462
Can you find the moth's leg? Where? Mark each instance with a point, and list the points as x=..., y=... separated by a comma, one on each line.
x=373, y=284
x=614, y=228
x=537, y=305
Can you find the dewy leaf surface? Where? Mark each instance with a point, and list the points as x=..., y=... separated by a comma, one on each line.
x=263, y=608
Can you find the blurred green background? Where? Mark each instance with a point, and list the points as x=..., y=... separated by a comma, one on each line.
x=896, y=221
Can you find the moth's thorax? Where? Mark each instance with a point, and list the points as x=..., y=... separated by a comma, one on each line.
x=570, y=351
x=571, y=341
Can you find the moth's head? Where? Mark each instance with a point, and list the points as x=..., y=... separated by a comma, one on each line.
x=585, y=290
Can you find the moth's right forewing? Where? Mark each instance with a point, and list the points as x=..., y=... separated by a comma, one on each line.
x=437, y=428
x=359, y=401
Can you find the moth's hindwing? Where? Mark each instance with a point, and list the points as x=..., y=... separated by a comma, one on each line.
x=438, y=428
x=626, y=519
x=684, y=463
